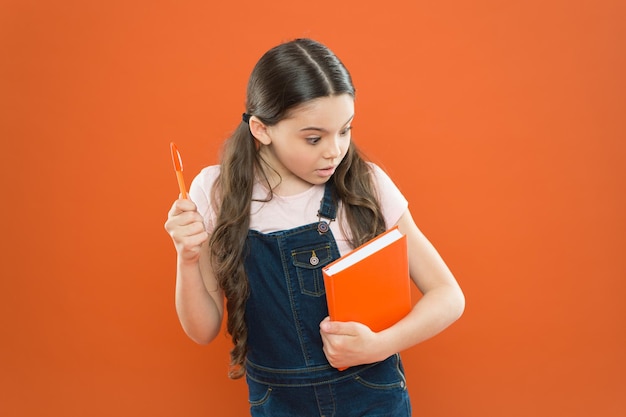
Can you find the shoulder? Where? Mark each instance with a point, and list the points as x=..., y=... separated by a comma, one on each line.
x=203, y=182
x=392, y=201
x=376, y=170
x=381, y=178
x=206, y=177
x=200, y=192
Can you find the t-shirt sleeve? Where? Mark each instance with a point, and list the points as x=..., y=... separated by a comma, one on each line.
x=200, y=194
x=392, y=201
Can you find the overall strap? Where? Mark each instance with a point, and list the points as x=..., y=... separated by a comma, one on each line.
x=328, y=208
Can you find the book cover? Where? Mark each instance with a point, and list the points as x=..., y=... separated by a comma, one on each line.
x=371, y=284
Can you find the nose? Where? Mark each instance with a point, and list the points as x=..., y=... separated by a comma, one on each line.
x=333, y=149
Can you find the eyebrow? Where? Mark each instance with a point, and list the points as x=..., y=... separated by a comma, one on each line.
x=320, y=129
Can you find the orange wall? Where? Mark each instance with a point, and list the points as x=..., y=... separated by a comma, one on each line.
x=502, y=122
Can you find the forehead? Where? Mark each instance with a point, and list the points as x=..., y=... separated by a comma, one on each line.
x=323, y=111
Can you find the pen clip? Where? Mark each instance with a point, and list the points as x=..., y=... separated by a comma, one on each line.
x=178, y=167
x=176, y=159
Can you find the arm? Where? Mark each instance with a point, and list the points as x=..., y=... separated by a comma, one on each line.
x=349, y=344
x=199, y=301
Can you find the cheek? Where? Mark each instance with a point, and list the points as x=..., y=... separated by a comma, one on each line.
x=306, y=159
x=300, y=158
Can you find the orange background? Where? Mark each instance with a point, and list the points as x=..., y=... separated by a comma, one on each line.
x=502, y=122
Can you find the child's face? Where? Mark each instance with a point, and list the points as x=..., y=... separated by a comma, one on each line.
x=307, y=146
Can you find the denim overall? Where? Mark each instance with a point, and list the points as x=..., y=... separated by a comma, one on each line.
x=287, y=372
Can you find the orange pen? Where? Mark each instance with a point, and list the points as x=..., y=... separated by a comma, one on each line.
x=178, y=167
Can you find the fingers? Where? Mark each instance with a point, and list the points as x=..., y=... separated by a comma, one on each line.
x=186, y=228
x=182, y=205
x=339, y=328
x=190, y=234
x=335, y=348
x=335, y=340
x=189, y=247
x=183, y=212
x=346, y=343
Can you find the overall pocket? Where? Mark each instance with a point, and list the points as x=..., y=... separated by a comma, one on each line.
x=308, y=261
x=258, y=393
x=388, y=375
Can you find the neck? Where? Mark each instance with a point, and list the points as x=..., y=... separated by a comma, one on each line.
x=281, y=181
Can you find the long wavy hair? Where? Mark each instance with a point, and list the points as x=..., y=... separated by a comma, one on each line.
x=286, y=76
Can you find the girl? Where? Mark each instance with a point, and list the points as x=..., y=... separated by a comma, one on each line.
x=291, y=186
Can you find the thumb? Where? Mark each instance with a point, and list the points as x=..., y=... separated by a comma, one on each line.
x=337, y=327
x=325, y=324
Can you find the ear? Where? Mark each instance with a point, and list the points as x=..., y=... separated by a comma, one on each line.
x=259, y=130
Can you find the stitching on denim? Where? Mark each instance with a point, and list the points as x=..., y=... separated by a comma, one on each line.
x=292, y=302
x=386, y=386
x=263, y=399
x=309, y=275
x=332, y=404
x=294, y=373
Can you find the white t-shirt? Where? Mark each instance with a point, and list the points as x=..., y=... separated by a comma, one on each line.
x=283, y=213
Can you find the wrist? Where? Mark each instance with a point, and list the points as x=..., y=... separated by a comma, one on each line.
x=187, y=262
x=386, y=345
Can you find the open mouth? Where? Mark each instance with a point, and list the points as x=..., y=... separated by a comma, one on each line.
x=326, y=172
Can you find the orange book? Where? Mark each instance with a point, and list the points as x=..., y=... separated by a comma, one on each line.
x=371, y=284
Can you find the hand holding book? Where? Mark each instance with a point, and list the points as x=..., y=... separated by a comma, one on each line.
x=371, y=284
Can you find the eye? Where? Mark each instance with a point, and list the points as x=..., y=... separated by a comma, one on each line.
x=346, y=131
x=313, y=139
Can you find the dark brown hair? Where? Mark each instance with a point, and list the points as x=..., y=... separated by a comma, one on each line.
x=286, y=76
